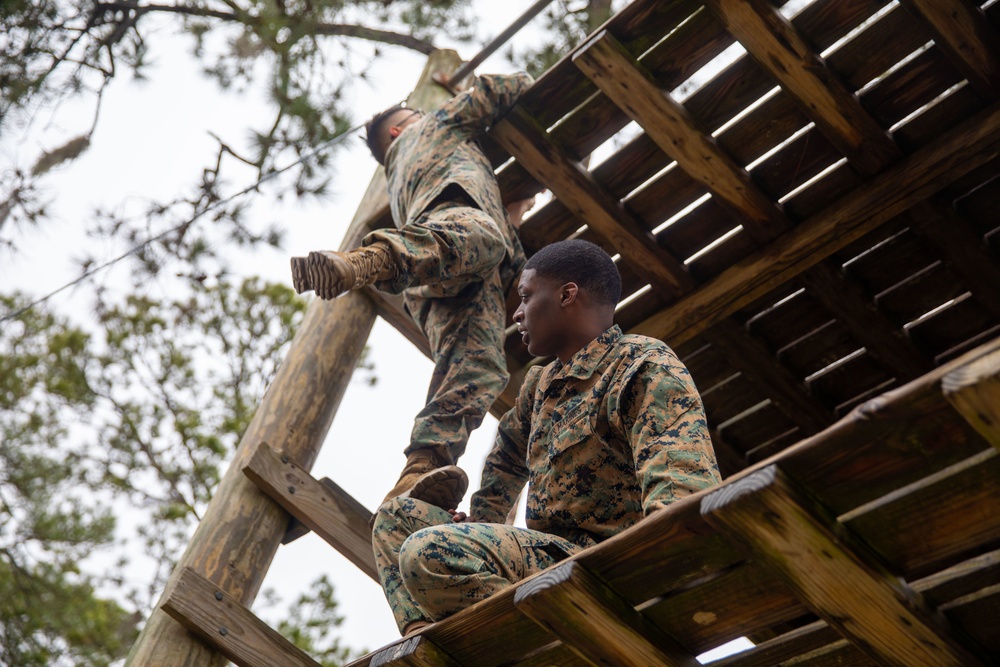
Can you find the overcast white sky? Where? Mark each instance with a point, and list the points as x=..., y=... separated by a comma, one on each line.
x=152, y=139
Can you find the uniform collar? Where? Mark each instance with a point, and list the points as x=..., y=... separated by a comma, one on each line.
x=584, y=363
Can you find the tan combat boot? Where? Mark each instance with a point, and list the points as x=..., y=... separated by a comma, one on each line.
x=424, y=478
x=330, y=273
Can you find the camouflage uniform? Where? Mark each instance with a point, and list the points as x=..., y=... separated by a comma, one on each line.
x=604, y=440
x=458, y=256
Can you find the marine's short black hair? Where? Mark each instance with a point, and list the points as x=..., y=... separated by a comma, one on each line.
x=580, y=262
x=371, y=131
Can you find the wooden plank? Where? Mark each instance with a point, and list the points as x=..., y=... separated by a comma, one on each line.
x=780, y=49
x=625, y=81
x=415, y=651
x=936, y=521
x=595, y=622
x=941, y=588
x=575, y=187
x=833, y=574
x=963, y=250
x=845, y=299
x=952, y=155
x=774, y=380
x=326, y=509
x=974, y=391
x=969, y=41
x=227, y=626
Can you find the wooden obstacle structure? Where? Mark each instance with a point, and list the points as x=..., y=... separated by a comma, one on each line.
x=813, y=227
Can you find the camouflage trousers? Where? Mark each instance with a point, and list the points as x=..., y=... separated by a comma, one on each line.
x=431, y=567
x=455, y=264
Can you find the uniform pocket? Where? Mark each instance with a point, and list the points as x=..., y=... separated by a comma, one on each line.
x=572, y=432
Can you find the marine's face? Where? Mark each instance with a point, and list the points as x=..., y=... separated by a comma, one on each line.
x=540, y=316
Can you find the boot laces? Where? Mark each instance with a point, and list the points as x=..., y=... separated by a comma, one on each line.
x=370, y=264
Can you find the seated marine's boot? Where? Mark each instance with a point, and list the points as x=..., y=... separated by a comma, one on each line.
x=330, y=273
x=424, y=478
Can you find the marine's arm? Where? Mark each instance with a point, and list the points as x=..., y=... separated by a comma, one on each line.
x=663, y=417
x=505, y=471
x=491, y=96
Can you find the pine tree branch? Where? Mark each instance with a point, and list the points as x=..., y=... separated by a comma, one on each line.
x=327, y=29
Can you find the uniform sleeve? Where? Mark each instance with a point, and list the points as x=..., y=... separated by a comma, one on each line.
x=505, y=471
x=487, y=101
x=662, y=415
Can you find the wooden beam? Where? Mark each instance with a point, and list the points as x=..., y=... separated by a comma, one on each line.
x=520, y=135
x=942, y=587
x=845, y=299
x=964, y=251
x=790, y=394
x=242, y=528
x=629, y=85
x=227, y=626
x=966, y=38
x=779, y=48
x=416, y=651
x=595, y=622
x=974, y=391
x=326, y=509
x=911, y=181
x=833, y=573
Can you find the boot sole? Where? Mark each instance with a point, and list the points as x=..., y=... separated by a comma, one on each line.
x=300, y=277
x=444, y=487
x=323, y=275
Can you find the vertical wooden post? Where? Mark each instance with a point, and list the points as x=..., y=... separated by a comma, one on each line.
x=235, y=542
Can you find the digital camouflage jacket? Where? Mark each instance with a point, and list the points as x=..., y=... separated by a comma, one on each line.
x=603, y=440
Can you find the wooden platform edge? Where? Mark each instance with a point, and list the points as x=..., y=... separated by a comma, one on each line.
x=833, y=574
x=595, y=622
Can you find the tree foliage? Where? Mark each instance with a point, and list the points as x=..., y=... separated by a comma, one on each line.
x=134, y=423
x=120, y=428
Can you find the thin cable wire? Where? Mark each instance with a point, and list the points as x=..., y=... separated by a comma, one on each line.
x=457, y=76
x=211, y=207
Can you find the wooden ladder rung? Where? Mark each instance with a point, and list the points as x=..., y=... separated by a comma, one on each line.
x=320, y=506
x=225, y=624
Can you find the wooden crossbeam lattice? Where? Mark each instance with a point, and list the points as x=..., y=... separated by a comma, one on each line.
x=968, y=39
x=780, y=49
x=891, y=193
x=625, y=81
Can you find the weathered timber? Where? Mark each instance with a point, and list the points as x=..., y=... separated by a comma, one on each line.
x=773, y=379
x=913, y=179
x=941, y=588
x=227, y=626
x=323, y=507
x=242, y=527
x=936, y=520
x=974, y=391
x=846, y=300
x=780, y=49
x=965, y=251
x=886, y=443
x=415, y=651
x=835, y=575
x=575, y=187
x=969, y=41
x=595, y=622
x=625, y=81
